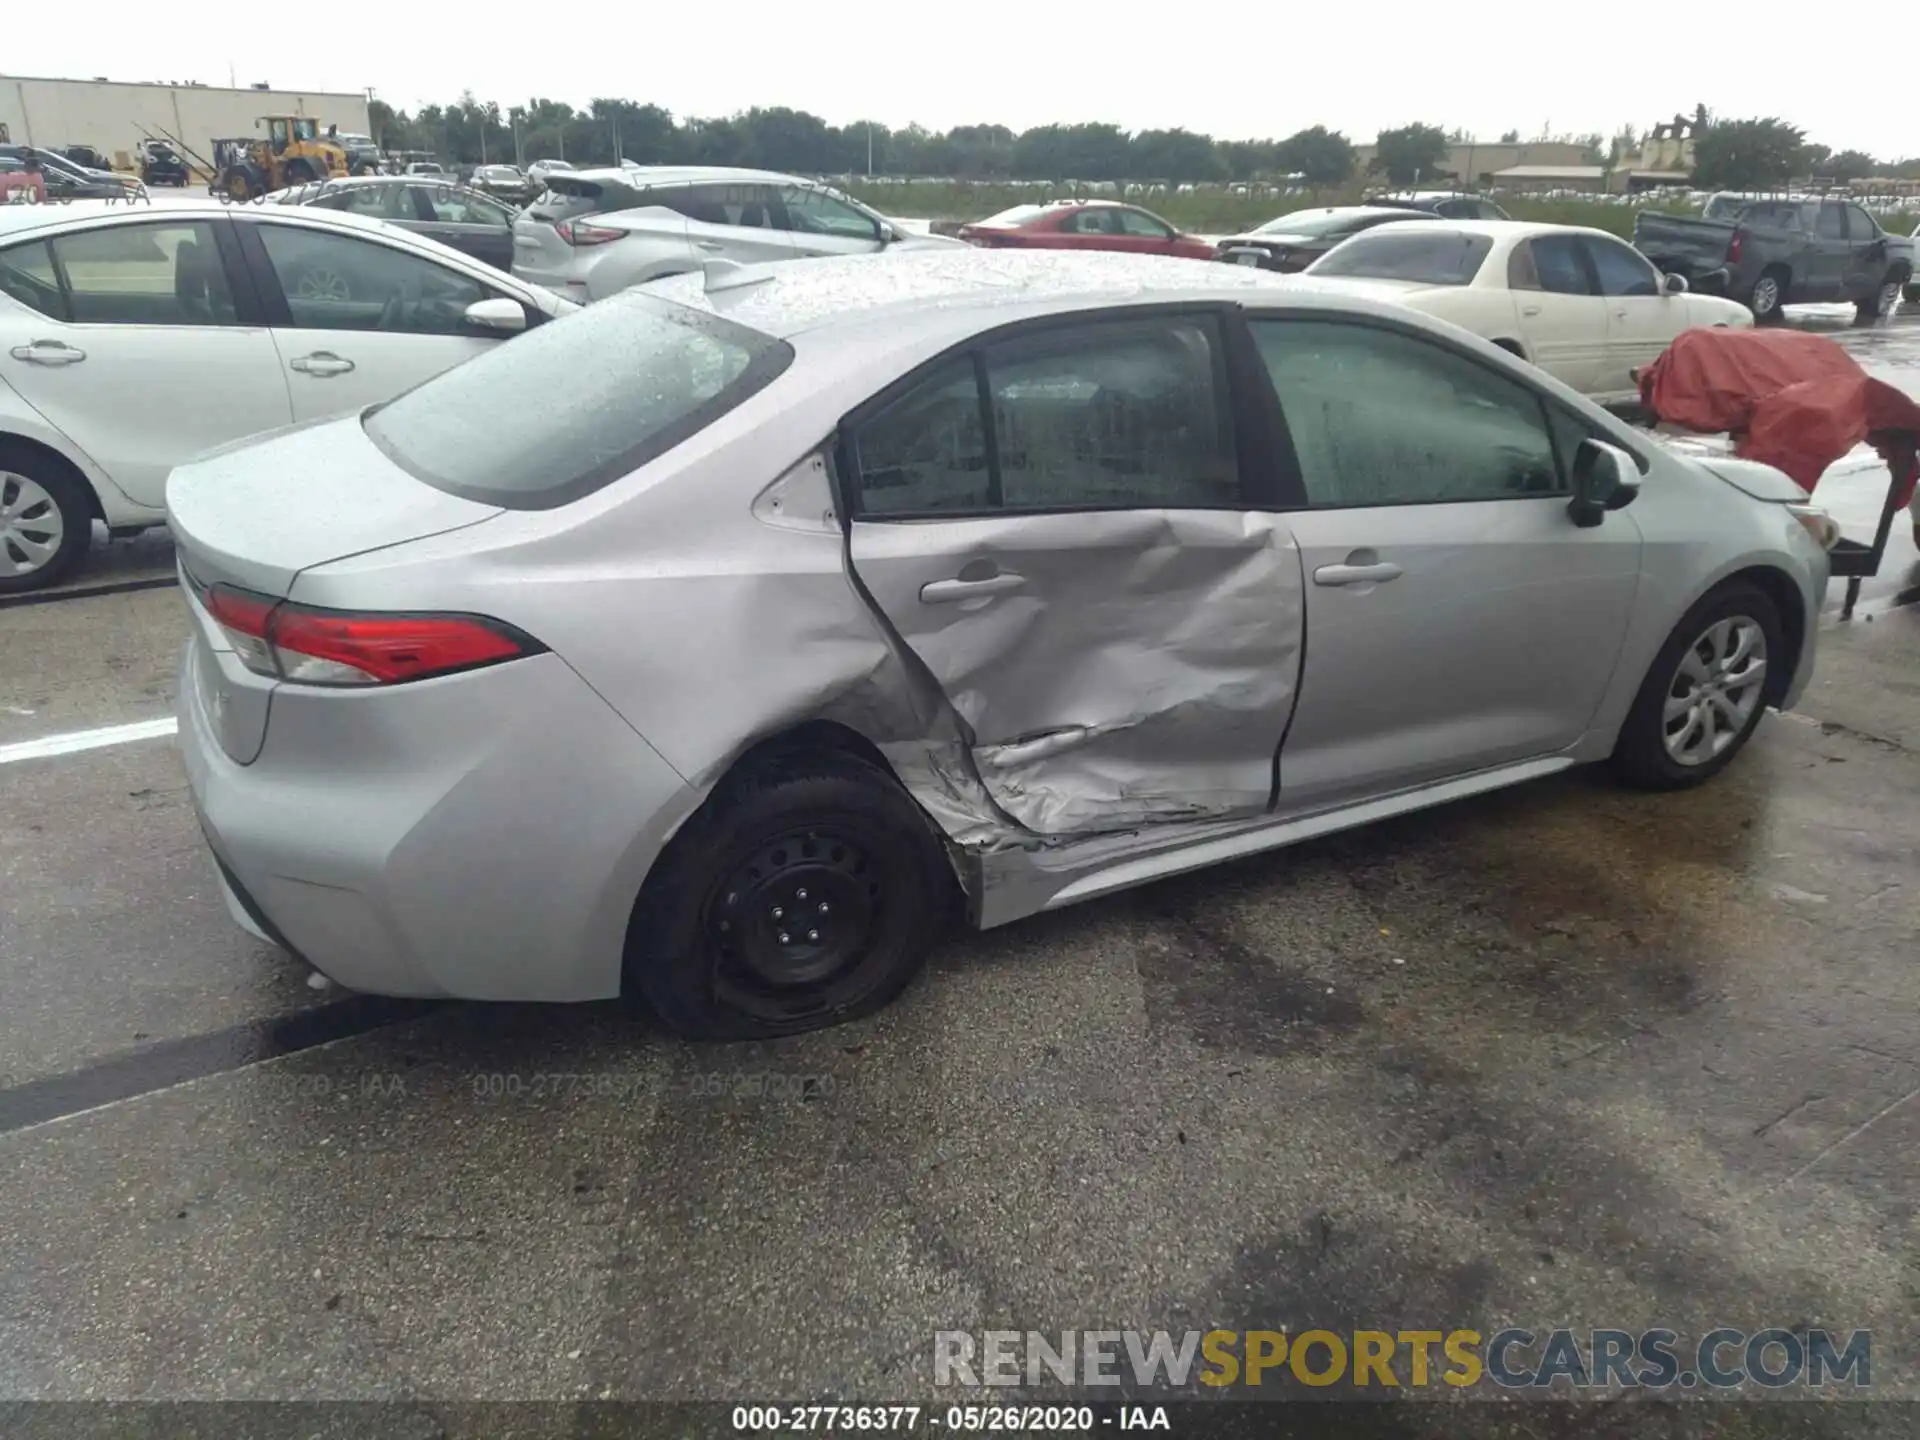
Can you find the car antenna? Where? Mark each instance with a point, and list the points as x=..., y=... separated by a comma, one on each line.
x=730, y=275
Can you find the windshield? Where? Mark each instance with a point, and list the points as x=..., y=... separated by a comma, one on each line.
x=621, y=382
x=1314, y=222
x=1018, y=215
x=305, y=129
x=1408, y=252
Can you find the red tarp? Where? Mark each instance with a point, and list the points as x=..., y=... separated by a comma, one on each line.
x=1792, y=400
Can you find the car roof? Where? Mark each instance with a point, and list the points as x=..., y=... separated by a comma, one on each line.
x=1510, y=229
x=23, y=219
x=890, y=290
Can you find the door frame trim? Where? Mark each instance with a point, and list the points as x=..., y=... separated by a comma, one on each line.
x=1017, y=883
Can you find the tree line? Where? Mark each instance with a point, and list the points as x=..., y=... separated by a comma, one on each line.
x=1733, y=154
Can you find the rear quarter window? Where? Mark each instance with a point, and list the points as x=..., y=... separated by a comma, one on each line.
x=620, y=383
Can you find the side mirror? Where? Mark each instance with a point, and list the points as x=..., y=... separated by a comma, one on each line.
x=498, y=316
x=1604, y=478
x=1673, y=284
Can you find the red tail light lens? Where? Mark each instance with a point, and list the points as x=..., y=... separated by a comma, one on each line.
x=578, y=232
x=1733, y=248
x=337, y=647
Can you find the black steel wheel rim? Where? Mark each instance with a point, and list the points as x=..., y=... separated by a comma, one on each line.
x=793, y=924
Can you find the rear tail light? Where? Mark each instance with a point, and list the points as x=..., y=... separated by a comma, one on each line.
x=578, y=232
x=1733, y=248
x=339, y=647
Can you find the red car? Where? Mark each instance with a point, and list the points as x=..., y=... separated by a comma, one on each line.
x=18, y=184
x=1086, y=225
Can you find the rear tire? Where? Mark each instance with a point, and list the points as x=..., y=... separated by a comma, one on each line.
x=1690, y=693
x=1768, y=295
x=42, y=504
x=807, y=891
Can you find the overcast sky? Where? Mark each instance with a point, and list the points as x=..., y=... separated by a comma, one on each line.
x=1233, y=72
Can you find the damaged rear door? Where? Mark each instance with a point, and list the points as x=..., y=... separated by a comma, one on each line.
x=1072, y=526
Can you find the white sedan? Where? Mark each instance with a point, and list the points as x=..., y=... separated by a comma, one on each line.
x=133, y=337
x=1581, y=304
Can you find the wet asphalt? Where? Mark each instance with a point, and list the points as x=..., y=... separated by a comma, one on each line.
x=1562, y=1055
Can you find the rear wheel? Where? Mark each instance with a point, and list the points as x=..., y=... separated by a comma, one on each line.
x=807, y=891
x=1769, y=293
x=1704, y=693
x=46, y=523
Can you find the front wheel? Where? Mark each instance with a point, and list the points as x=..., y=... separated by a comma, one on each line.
x=1879, y=305
x=807, y=891
x=1704, y=693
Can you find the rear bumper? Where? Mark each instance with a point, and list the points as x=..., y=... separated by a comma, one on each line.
x=480, y=837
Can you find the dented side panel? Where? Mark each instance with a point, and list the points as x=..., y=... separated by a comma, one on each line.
x=1119, y=668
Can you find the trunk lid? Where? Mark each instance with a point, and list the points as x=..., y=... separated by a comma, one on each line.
x=256, y=514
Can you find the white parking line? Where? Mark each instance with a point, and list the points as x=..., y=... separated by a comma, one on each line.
x=72, y=740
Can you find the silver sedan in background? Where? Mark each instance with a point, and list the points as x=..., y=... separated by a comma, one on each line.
x=817, y=604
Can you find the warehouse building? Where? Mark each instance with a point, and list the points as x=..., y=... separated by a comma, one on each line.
x=114, y=117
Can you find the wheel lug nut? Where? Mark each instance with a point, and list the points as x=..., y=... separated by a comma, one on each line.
x=785, y=939
x=778, y=912
x=813, y=934
x=799, y=894
x=823, y=907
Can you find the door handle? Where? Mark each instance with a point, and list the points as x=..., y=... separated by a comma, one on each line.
x=1529, y=309
x=708, y=245
x=1620, y=314
x=1356, y=574
x=321, y=363
x=946, y=592
x=48, y=352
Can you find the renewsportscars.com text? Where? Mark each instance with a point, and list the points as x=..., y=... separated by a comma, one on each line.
x=1512, y=1358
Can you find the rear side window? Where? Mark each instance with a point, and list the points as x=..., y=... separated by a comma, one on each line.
x=149, y=274
x=1561, y=265
x=1409, y=252
x=1098, y=416
x=619, y=384
x=567, y=198
x=26, y=275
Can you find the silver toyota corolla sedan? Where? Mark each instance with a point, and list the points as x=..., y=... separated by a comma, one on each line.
x=711, y=644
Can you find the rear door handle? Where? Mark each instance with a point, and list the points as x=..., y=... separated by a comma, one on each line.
x=48, y=352
x=321, y=363
x=708, y=245
x=946, y=592
x=1356, y=574
x=1529, y=309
